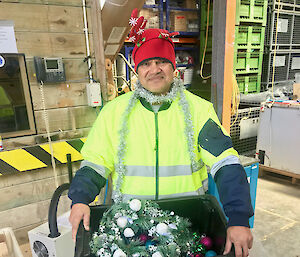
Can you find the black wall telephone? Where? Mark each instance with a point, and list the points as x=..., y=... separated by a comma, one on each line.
x=49, y=70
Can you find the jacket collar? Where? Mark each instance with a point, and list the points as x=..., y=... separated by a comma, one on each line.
x=148, y=106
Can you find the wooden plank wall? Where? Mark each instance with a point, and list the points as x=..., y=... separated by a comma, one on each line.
x=54, y=28
x=25, y=199
x=47, y=28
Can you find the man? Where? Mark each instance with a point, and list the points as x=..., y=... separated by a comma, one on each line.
x=156, y=143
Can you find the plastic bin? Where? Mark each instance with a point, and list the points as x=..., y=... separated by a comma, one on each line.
x=254, y=11
x=248, y=62
x=249, y=37
x=249, y=84
x=252, y=176
x=9, y=246
x=203, y=211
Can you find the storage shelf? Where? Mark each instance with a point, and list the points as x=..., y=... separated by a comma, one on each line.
x=186, y=33
x=182, y=9
x=151, y=6
x=185, y=65
x=183, y=40
x=185, y=48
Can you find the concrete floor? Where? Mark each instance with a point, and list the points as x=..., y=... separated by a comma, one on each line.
x=277, y=219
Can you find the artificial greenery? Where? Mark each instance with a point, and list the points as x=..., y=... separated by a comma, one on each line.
x=156, y=232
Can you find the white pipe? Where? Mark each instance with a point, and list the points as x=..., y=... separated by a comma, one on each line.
x=87, y=41
x=128, y=63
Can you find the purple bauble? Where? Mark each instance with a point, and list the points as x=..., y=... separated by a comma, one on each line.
x=207, y=242
x=143, y=238
x=199, y=255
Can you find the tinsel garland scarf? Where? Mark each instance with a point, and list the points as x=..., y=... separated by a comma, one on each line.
x=177, y=90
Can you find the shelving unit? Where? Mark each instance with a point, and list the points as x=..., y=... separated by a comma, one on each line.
x=172, y=22
x=186, y=41
x=159, y=7
x=284, y=52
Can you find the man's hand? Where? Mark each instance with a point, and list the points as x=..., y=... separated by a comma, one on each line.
x=79, y=212
x=242, y=239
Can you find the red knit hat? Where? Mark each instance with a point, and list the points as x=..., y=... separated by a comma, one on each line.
x=150, y=43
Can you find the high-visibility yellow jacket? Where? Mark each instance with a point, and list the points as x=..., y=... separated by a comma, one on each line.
x=157, y=159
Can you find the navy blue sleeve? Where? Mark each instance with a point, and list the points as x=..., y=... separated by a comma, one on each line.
x=85, y=186
x=234, y=192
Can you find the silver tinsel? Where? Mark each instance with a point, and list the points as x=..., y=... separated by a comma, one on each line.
x=140, y=91
x=177, y=89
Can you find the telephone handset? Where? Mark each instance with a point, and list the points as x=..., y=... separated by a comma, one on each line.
x=49, y=70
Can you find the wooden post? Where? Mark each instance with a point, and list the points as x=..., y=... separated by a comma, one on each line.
x=99, y=47
x=222, y=58
x=228, y=63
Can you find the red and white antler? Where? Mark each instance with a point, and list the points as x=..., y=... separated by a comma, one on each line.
x=137, y=26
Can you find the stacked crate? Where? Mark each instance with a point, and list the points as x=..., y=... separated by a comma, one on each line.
x=251, y=16
x=282, y=56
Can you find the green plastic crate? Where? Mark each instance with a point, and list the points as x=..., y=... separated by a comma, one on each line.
x=248, y=62
x=249, y=84
x=249, y=37
x=251, y=11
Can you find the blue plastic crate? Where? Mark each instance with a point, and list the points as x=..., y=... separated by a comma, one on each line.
x=252, y=175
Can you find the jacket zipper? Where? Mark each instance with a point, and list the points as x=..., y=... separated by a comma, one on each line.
x=156, y=150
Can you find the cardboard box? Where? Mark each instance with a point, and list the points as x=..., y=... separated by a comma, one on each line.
x=190, y=4
x=150, y=2
x=178, y=21
x=296, y=90
x=151, y=17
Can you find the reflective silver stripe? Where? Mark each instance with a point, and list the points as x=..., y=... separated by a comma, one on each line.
x=164, y=171
x=103, y=171
x=231, y=159
x=127, y=197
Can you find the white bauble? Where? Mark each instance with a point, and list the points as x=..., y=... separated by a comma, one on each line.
x=135, y=205
x=172, y=226
x=128, y=232
x=157, y=254
x=162, y=228
x=122, y=222
x=119, y=253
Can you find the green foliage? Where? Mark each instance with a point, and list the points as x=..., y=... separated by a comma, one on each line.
x=162, y=231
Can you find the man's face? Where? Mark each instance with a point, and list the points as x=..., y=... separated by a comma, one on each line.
x=156, y=76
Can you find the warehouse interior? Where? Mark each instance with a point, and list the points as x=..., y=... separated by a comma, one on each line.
x=61, y=61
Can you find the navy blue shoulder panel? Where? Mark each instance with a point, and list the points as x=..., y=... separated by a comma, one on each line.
x=212, y=139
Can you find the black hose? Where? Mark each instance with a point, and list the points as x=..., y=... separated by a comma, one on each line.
x=69, y=163
x=52, y=214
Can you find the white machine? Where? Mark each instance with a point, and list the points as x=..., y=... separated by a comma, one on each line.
x=44, y=246
x=54, y=238
x=278, y=136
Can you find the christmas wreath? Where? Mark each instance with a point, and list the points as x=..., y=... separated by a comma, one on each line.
x=140, y=228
